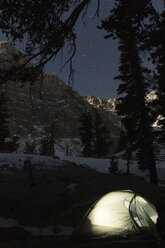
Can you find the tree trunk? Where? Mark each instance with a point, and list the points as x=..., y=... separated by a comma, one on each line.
x=151, y=164
x=128, y=167
x=51, y=152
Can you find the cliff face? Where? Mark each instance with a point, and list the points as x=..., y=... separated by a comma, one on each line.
x=35, y=109
x=50, y=102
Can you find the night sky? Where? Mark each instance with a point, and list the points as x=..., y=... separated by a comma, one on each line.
x=96, y=59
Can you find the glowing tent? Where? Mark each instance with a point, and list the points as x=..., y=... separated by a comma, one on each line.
x=119, y=213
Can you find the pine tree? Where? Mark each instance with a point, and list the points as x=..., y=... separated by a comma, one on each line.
x=127, y=145
x=45, y=145
x=126, y=24
x=47, y=142
x=51, y=152
x=30, y=146
x=101, y=133
x=157, y=41
x=4, y=121
x=86, y=133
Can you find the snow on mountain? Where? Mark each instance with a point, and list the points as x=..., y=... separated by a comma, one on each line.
x=151, y=96
x=107, y=108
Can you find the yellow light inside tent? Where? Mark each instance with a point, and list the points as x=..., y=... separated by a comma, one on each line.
x=102, y=218
x=109, y=213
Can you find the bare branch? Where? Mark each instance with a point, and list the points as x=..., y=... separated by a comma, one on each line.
x=71, y=57
x=97, y=10
x=66, y=29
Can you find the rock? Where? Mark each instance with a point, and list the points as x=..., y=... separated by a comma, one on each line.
x=49, y=101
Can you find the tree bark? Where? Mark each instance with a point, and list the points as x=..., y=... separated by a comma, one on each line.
x=151, y=164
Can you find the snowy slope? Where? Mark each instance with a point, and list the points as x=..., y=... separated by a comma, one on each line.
x=11, y=160
x=102, y=165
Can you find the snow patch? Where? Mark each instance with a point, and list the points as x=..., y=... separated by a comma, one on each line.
x=48, y=230
x=102, y=165
x=17, y=161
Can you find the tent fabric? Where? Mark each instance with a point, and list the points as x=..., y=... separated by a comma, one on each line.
x=119, y=213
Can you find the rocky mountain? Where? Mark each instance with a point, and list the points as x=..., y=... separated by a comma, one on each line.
x=49, y=103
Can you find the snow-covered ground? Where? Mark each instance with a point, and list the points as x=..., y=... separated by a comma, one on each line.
x=102, y=165
x=48, y=230
x=15, y=160
x=9, y=160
